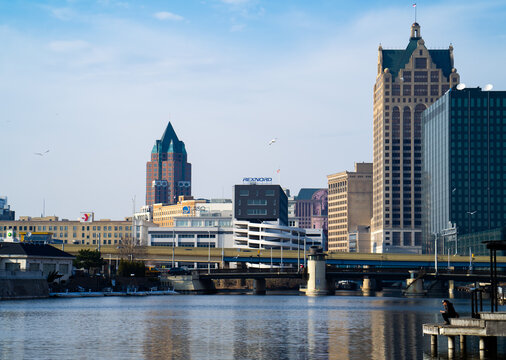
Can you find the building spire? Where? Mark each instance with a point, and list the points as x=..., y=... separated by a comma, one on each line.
x=415, y=32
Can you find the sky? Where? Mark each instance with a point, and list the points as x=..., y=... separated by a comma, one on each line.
x=96, y=82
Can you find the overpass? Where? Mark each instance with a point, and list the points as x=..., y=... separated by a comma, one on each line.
x=165, y=255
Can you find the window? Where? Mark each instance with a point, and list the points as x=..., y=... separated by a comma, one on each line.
x=434, y=76
x=420, y=76
x=420, y=90
x=257, y=202
x=406, y=90
x=420, y=63
x=406, y=76
x=257, y=211
x=243, y=193
x=269, y=192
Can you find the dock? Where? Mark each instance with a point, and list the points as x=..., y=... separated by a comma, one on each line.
x=488, y=327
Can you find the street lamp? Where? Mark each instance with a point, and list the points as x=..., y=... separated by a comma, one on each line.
x=209, y=252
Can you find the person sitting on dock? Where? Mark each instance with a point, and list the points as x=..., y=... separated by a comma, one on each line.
x=449, y=311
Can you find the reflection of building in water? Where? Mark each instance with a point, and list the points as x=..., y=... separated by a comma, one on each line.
x=166, y=336
x=395, y=334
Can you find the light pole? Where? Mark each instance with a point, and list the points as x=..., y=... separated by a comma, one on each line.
x=298, y=251
x=435, y=251
x=304, y=251
x=209, y=252
x=173, y=245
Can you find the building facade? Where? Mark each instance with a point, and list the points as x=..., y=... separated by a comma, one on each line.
x=257, y=203
x=5, y=210
x=187, y=206
x=408, y=81
x=105, y=231
x=168, y=174
x=350, y=206
x=464, y=144
x=311, y=208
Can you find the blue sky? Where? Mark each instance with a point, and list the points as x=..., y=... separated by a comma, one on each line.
x=96, y=82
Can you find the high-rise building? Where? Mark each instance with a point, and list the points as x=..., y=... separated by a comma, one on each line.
x=5, y=210
x=464, y=152
x=350, y=209
x=311, y=208
x=168, y=174
x=408, y=81
x=257, y=203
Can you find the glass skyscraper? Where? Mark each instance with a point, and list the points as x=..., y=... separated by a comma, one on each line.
x=464, y=163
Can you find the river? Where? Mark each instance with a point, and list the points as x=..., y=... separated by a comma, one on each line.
x=222, y=327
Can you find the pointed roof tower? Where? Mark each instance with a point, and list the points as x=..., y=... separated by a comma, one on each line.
x=169, y=143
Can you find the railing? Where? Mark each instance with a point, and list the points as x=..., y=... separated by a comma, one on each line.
x=476, y=302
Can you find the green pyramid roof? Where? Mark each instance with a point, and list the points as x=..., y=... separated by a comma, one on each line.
x=395, y=60
x=169, y=143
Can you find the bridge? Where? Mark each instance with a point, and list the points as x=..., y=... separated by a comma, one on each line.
x=167, y=255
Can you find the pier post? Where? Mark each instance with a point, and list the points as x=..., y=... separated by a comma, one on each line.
x=451, y=346
x=317, y=281
x=259, y=286
x=433, y=345
x=462, y=344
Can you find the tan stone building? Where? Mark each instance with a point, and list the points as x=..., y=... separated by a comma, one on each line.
x=164, y=214
x=350, y=208
x=408, y=81
x=107, y=231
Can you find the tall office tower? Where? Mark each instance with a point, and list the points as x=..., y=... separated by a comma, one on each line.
x=408, y=81
x=168, y=174
x=464, y=152
x=350, y=209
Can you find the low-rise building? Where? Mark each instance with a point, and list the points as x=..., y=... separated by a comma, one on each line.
x=41, y=259
x=105, y=231
x=187, y=206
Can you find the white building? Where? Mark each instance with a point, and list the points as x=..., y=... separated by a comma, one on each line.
x=37, y=259
x=271, y=235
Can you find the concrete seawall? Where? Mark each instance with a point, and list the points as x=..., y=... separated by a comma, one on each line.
x=23, y=289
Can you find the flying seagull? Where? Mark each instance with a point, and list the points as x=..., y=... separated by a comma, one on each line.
x=273, y=141
x=42, y=153
x=472, y=212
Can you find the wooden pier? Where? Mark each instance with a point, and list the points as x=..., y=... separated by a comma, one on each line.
x=488, y=327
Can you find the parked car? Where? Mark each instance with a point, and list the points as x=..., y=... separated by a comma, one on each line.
x=178, y=271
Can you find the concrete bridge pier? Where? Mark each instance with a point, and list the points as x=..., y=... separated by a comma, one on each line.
x=259, y=286
x=414, y=285
x=316, y=270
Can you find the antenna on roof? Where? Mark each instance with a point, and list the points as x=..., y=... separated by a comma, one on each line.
x=461, y=86
x=488, y=87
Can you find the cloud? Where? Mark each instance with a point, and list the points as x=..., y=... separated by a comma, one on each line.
x=237, y=27
x=68, y=46
x=165, y=15
x=235, y=2
x=64, y=14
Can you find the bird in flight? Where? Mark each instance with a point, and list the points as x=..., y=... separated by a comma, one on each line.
x=273, y=141
x=472, y=212
x=41, y=153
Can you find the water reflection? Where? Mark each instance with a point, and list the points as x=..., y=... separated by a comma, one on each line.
x=220, y=327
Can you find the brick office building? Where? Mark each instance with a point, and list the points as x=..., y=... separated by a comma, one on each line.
x=168, y=174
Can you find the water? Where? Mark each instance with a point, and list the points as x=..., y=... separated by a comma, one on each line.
x=221, y=327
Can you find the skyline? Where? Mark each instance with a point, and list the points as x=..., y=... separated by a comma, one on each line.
x=100, y=83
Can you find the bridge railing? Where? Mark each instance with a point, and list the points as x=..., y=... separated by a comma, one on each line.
x=247, y=270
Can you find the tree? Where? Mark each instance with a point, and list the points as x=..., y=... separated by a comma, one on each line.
x=127, y=268
x=88, y=259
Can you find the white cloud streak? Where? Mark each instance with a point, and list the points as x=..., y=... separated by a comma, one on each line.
x=165, y=15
